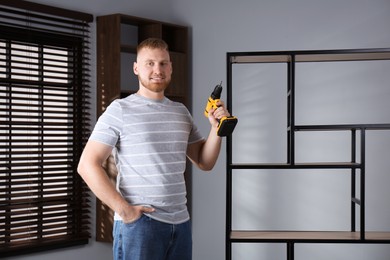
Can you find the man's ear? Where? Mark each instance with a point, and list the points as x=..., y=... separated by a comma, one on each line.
x=135, y=68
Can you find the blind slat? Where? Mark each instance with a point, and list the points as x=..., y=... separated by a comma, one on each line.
x=53, y=169
x=33, y=87
x=26, y=203
x=41, y=83
x=35, y=181
x=37, y=211
x=20, y=188
x=35, y=128
x=73, y=205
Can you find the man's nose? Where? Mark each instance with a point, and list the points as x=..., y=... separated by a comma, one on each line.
x=158, y=68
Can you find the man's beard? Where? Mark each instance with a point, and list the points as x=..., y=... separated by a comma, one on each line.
x=155, y=87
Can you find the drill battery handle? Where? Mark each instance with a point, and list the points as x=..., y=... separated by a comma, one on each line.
x=227, y=123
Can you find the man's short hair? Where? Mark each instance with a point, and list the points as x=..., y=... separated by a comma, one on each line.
x=153, y=43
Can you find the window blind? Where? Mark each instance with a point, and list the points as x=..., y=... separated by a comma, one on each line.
x=44, y=124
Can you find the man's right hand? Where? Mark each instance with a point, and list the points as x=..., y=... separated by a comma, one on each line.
x=131, y=213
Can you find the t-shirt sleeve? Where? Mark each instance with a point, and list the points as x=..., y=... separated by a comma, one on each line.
x=109, y=125
x=195, y=135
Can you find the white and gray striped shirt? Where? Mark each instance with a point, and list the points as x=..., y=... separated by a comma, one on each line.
x=150, y=141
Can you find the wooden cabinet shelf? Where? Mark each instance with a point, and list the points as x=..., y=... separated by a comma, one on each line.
x=314, y=165
x=341, y=127
x=309, y=236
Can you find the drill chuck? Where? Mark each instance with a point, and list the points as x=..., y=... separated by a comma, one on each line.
x=216, y=94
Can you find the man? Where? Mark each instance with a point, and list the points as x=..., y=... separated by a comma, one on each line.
x=150, y=137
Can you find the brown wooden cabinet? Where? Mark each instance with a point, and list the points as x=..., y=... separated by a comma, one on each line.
x=117, y=38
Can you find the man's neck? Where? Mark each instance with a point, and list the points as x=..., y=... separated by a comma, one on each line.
x=142, y=91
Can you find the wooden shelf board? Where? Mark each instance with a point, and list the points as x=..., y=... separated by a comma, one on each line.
x=311, y=56
x=310, y=236
x=342, y=127
x=312, y=165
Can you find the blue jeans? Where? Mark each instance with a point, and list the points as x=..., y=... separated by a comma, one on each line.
x=149, y=239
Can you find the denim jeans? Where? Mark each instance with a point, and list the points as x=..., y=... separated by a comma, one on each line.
x=149, y=239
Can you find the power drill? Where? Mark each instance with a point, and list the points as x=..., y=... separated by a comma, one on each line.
x=227, y=123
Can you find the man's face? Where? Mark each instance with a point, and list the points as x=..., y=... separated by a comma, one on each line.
x=153, y=68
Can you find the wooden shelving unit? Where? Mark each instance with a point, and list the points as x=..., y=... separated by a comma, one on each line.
x=357, y=169
x=307, y=236
x=117, y=38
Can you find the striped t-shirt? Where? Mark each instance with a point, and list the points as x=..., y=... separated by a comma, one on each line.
x=150, y=141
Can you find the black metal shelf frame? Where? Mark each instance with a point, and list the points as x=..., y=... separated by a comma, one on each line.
x=357, y=168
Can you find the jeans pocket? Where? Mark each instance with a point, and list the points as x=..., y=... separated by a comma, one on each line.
x=133, y=223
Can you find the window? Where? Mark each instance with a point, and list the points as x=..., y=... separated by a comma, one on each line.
x=44, y=124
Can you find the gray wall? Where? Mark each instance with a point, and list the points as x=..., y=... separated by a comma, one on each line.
x=221, y=26
x=224, y=26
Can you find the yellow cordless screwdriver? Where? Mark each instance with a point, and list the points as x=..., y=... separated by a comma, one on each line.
x=227, y=123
